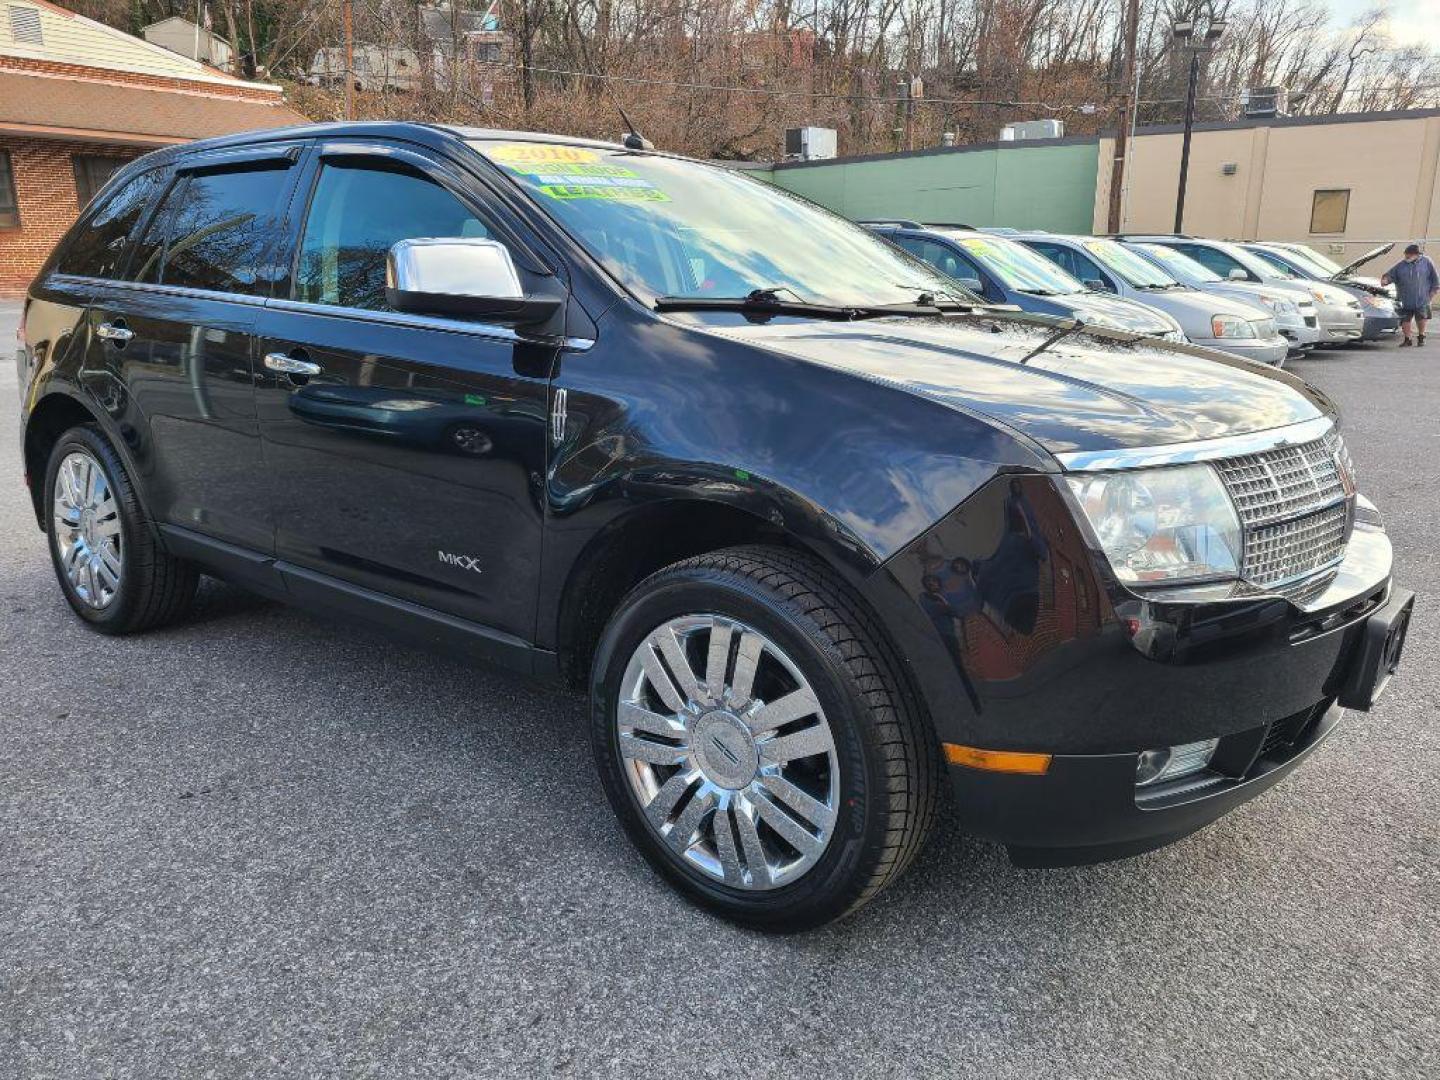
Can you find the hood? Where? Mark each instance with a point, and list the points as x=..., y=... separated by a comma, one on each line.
x=1375, y=253
x=1085, y=392
x=1201, y=307
x=1114, y=312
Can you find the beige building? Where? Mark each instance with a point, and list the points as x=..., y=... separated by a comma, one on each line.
x=182, y=36
x=1341, y=184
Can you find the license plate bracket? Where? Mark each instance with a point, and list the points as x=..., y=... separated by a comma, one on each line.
x=1382, y=642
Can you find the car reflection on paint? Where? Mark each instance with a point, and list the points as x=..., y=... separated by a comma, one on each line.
x=457, y=423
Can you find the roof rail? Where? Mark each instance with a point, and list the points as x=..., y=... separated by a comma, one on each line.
x=949, y=225
x=902, y=223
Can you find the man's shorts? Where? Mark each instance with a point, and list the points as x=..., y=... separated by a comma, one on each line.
x=1421, y=312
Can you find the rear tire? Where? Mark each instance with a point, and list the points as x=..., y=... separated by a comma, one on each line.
x=796, y=816
x=110, y=565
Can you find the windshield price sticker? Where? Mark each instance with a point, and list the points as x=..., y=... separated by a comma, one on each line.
x=516, y=154
x=602, y=191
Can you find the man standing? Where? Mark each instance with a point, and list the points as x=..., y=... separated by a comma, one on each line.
x=1416, y=282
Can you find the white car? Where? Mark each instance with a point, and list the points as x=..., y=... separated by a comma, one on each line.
x=1295, y=314
x=1217, y=322
x=1341, y=319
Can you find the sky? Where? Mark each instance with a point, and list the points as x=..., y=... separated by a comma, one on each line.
x=1411, y=21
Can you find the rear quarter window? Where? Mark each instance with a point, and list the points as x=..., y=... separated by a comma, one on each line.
x=96, y=247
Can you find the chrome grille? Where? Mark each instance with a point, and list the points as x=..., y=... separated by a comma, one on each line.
x=1291, y=549
x=1284, y=482
x=1293, y=507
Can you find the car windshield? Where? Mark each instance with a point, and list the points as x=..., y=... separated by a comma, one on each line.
x=666, y=227
x=1017, y=266
x=1257, y=264
x=1138, y=272
x=1312, y=260
x=1179, y=264
x=1274, y=263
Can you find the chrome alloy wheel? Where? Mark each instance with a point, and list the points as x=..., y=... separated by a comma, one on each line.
x=87, y=530
x=734, y=768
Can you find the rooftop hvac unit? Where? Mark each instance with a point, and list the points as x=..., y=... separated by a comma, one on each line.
x=1263, y=101
x=1033, y=129
x=810, y=143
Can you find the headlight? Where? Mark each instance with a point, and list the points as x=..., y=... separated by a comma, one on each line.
x=1378, y=303
x=1230, y=326
x=1162, y=525
x=1320, y=297
x=1278, y=304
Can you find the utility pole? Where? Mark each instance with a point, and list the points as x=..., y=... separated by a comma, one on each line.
x=346, y=23
x=1127, y=119
x=1193, y=86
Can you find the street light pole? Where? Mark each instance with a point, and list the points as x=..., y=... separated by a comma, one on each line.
x=1184, y=33
x=1185, y=143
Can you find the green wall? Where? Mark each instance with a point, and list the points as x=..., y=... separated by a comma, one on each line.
x=1026, y=187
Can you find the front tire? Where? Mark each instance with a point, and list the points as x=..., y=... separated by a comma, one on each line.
x=111, y=568
x=756, y=742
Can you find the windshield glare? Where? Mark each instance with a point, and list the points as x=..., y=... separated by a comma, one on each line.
x=665, y=227
x=1017, y=266
x=1179, y=264
x=1257, y=263
x=1312, y=260
x=1136, y=271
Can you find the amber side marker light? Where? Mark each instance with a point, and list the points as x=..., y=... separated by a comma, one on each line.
x=1010, y=761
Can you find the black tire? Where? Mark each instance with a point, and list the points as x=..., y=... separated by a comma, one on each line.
x=154, y=588
x=888, y=755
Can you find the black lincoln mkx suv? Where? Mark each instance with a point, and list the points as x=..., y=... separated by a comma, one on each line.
x=817, y=528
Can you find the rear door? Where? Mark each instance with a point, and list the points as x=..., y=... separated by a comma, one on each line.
x=407, y=456
x=178, y=335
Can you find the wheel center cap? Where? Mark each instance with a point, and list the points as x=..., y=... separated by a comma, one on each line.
x=725, y=750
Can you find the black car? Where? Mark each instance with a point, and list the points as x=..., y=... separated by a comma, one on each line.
x=817, y=529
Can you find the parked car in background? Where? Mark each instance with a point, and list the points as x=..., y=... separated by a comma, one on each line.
x=1295, y=315
x=1381, y=318
x=1213, y=321
x=818, y=534
x=1004, y=271
x=1341, y=319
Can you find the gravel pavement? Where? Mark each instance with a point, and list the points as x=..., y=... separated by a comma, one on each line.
x=265, y=844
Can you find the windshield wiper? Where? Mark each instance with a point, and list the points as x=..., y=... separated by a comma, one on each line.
x=770, y=302
x=1058, y=335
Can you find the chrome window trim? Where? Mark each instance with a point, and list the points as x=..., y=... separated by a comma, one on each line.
x=429, y=322
x=184, y=291
x=395, y=318
x=1199, y=450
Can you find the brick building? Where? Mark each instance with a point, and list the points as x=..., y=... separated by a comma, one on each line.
x=77, y=99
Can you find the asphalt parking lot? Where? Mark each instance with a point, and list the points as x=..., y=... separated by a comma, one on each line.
x=260, y=843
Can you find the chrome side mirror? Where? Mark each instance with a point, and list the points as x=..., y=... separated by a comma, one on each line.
x=461, y=276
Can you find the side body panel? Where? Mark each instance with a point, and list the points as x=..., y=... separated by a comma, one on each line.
x=658, y=413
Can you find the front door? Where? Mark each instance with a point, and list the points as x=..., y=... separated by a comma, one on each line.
x=405, y=454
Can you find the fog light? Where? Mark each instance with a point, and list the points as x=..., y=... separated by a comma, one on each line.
x=1173, y=762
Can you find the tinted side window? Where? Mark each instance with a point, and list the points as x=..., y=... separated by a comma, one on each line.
x=1060, y=256
x=356, y=213
x=215, y=231
x=98, y=246
x=1086, y=270
x=1217, y=261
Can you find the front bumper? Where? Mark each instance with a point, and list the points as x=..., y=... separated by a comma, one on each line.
x=1085, y=809
x=1339, y=325
x=1380, y=326
x=1265, y=350
x=1055, y=658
